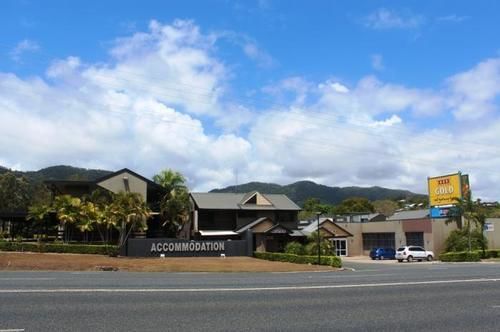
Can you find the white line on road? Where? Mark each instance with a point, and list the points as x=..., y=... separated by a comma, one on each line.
x=12, y=330
x=242, y=289
x=25, y=278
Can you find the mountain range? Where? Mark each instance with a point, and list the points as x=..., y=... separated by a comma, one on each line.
x=298, y=191
x=302, y=190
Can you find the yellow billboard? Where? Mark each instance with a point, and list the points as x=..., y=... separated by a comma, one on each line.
x=444, y=190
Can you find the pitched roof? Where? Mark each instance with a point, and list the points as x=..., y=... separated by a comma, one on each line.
x=123, y=170
x=233, y=201
x=250, y=225
x=406, y=215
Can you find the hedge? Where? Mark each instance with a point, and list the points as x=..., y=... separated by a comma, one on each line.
x=460, y=256
x=489, y=253
x=59, y=248
x=333, y=261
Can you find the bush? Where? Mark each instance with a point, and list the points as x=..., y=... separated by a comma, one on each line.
x=59, y=248
x=461, y=256
x=458, y=240
x=333, y=261
x=295, y=248
x=490, y=253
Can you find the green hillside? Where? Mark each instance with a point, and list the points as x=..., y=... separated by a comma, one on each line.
x=300, y=191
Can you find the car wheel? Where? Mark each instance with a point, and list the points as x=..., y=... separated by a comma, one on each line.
x=381, y=258
x=429, y=258
x=400, y=260
x=410, y=259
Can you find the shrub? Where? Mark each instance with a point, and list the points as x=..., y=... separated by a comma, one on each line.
x=333, y=261
x=295, y=248
x=461, y=256
x=59, y=248
x=458, y=240
x=490, y=253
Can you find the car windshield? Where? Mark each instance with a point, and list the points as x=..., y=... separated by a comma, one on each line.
x=401, y=249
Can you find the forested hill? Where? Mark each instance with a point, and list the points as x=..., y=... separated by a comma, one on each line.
x=60, y=173
x=300, y=191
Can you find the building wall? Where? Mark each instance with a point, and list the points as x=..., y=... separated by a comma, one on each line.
x=117, y=184
x=435, y=232
x=493, y=237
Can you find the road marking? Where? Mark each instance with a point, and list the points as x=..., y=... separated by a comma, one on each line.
x=12, y=330
x=25, y=278
x=242, y=289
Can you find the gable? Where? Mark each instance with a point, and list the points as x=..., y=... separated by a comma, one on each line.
x=256, y=198
x=125, y=181
x=334, y=229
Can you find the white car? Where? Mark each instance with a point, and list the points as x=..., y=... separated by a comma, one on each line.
x=411, y=253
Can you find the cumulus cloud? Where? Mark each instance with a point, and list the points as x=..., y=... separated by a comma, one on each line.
x=384, y=18
x=162, y=101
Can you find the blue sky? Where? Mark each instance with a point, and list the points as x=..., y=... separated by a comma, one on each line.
x=343, y=93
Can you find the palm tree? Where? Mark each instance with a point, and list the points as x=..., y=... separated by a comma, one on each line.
x=175, y=203
x=171, y=180
x=126, y=212
x=67, y=209
x=39, y=212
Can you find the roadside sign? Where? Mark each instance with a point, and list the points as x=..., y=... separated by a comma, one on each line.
x=489, y=227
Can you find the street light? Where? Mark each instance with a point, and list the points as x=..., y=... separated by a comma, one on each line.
x=319, y=249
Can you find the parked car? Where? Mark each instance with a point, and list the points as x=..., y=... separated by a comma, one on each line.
x=411, y=253
x=382, y=253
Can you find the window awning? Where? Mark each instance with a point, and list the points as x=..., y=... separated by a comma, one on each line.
x=218, y=233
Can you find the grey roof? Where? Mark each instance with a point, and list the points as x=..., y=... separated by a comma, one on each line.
x=313, y=226
x=250, y=225
x=405, y=215
x=232, y=201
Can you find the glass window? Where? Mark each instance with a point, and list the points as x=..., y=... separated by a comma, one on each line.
x=378, y=240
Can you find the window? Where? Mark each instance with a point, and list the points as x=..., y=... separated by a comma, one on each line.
x=415, y=239
x=378, y=240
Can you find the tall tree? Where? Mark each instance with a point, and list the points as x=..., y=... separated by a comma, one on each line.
x=14, y=192
x=175, y=202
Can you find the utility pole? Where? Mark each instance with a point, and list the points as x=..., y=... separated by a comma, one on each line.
x=319, y=243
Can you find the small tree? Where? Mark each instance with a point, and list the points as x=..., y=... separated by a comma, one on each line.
x=126, y=212
x=175, y=202
x=325, y=245
x=295, y=248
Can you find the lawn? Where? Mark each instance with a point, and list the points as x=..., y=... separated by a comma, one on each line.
x=76, y=262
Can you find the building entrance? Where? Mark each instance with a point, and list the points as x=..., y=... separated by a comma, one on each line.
x=340, y=247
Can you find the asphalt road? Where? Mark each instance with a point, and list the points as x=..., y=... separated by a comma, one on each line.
x=373, y=297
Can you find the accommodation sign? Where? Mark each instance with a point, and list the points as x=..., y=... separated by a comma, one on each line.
x=187, y=247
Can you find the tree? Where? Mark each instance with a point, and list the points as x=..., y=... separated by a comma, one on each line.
x=14, y=192
x=386, y=207
x=95, y=212
x=127, y=212
x=67, y=210
x=472, y=212
x=325, y=245
x=312, y=206
x=175, y=202
x=354, y=205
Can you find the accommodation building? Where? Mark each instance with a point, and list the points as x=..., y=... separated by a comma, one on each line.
x=123, y=180
x=272, y=218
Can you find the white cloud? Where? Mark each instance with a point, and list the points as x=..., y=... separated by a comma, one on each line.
x=384, y=18
x=162, y=102
x=24, y=46
x=474, y=93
